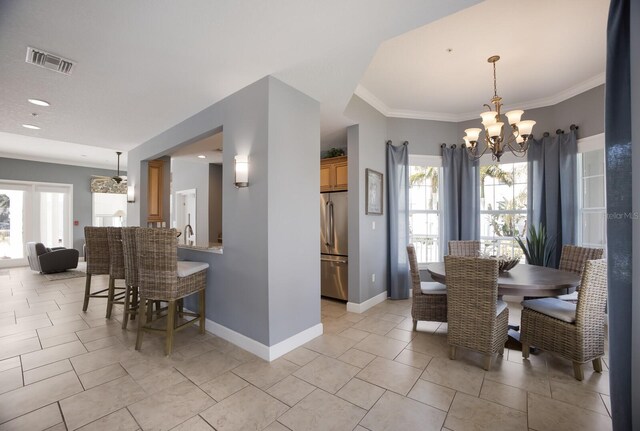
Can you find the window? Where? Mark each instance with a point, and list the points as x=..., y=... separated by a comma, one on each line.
x=593, y=217
x=503, y=208
x=424, y=207
x=109, y=209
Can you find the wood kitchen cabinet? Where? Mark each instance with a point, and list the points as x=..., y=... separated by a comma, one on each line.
x=334, y=174
x=154, y=195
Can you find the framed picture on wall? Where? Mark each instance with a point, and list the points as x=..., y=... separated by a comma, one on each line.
x=374, y=192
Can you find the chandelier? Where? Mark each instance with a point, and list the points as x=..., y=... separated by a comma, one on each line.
x=496, y=138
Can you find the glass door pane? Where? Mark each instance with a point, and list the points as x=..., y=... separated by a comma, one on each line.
x=12, y=221
x=53, y=219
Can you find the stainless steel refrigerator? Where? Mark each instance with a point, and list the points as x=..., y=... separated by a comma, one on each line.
x=334, y=250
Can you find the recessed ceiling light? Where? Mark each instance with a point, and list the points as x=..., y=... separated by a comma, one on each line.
x=39, y=102
x=201, y=156
x=30, y=126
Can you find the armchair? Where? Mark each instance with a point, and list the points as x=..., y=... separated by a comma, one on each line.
x=49, y=260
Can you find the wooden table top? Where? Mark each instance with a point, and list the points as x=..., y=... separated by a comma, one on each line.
x=525, y=280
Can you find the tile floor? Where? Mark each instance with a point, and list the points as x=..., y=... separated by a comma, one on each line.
x=62, y=369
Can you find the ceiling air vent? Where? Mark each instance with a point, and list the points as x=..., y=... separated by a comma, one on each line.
x=49, y=61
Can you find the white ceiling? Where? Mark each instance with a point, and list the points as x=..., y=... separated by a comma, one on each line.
x=550, y=50
x=143, y=66
x=209, y=147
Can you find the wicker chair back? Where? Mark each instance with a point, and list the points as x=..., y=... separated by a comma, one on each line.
x=157, y=262
x=573, y=257
x=129, y=250
x=96, y=250
x=464, y=248
x=592, y=297
x=116, y=255
x=415, y=272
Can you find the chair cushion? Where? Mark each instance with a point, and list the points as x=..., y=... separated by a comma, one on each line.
x=186, y=268
x=432, y=288
x=41, y=249
x=553, y=307
x=569, y=296
x=500, y=306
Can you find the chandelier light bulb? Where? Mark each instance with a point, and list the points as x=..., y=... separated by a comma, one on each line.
x=473, y=134
x=489, y=118
x=514, y=116
x=525, y=128
x=495, y=130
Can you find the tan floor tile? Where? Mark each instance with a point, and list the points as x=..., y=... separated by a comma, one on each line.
x=120, y=420
x=401, y=335
x=335, y=326
x=57, y=340
x=40, y=308
x=196, y=423
x=508, y=396
x=578, y=396
x=101, y=343
x=171, y=407
x=102, y=375
x=46, y=371
x=87, y=406
x=265, y=374
x=301, y=356
x=28, y=398
x=524, y=376
x=434, y=395
x=31, y=317
x=65, y=319
x=414, y=359
x=454, y=375
x=93, y=334
x=432, y=345
x=390, y=375
x=60, y=427
x=330, y=345
x=394, y=412
x=562, y=370
x=290, y=390
x=275, y=426
x=471, y=413
x=160, y=380
x=357, y=357
x=375, y=325
x=10, y=379
x=381, y=346
x=21, y=347
x=206, y=367
x=52, y=354
x=321, y=411
x=607, y=402
x=232, y=413
x=354, y=334
x=38, y=420
x=327, y=373
x=360, y=393
x=223, y=386
x=545, y=413
x=97, y=359
x=62, y=329
x=7, y=364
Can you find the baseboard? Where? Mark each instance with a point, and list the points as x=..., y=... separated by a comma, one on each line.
x=364, y=306
x=268, y=353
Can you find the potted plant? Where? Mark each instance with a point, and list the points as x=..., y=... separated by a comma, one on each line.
x=538, y=247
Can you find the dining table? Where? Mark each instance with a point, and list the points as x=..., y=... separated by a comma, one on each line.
x=524, y=280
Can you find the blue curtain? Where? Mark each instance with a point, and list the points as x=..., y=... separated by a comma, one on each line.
x=398, y=220
x=461, y=196
x=618, y=148
x=552, y=190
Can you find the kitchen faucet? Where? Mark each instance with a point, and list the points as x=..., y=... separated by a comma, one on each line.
x=188, y=230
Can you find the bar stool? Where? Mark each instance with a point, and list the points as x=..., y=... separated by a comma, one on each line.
x=116, y=268
x=162, y=278
x=96, y=255
x=130, y=275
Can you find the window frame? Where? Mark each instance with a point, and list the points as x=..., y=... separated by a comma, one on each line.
x=586, y=145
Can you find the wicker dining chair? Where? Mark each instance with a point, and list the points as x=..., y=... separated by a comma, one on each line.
x=130, y=253
x=429, y=299
x=477, y=319
x=162, y=278
x=116, y=268
x=96, y=255
x=464, y=248
x=573, y=259
x=575, y=332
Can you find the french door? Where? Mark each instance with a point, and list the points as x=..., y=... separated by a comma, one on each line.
x=39, y=212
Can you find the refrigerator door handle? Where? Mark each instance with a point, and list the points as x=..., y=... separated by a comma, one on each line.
x=330, y=225
x=327, y=230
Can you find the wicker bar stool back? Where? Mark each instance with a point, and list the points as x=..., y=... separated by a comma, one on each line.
x=163, y=278
x=477, y=320
x=431, y=306
x=96, y=255
x=130, y=254
x=464, y=248
x=579, y=341
x=573, y=257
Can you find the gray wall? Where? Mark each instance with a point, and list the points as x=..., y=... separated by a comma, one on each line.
x=424, y=136
x=26, y=170
x=635, y=133
x=215, y=202
x=239, y=281
x=367, y=247
x=186, y=175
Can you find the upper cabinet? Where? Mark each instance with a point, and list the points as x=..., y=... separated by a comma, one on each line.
x=334, y=174
x=154, y=203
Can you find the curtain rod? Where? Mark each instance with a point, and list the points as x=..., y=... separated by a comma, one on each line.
x=390, y=142
x=560, y=131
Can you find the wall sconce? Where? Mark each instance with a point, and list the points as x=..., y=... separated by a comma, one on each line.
x=131, y=194
x=242, y=171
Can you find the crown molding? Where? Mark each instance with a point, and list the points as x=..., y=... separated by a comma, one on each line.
x=387, y=111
